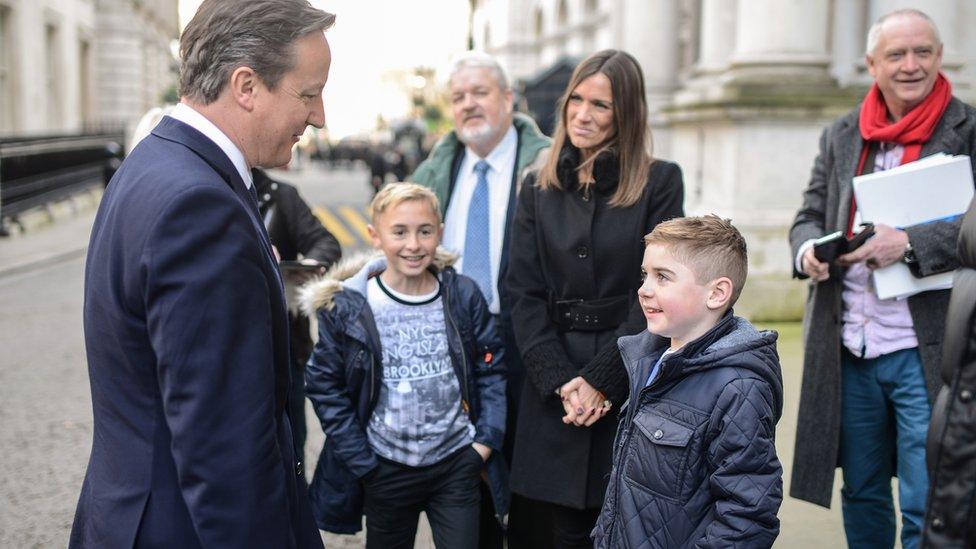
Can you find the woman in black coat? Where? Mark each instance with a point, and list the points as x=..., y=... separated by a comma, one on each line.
x=573, y=274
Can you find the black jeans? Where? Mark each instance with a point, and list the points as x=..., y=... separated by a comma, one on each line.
x=447, y=491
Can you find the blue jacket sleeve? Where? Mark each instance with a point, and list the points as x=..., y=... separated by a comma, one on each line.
x=489, y=373
x=209, y=320
x=746, y=479
x=326, y=387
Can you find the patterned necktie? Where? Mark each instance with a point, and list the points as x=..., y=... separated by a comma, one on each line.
x=477, y=253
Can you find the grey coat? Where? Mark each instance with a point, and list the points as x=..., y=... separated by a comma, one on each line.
x=826, y=206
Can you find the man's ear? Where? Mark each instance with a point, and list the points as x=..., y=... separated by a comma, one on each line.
x=243, y=86
x=719, y=294
x=869, y=64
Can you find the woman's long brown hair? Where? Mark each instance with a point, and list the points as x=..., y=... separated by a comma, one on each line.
x=631, y=140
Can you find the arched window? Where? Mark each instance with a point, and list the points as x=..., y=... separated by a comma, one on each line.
x=538, y=23
x=591, y=6
x=562, y=14
x=487, y=38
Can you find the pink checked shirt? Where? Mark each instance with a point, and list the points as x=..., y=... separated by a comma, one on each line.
x=872, y=326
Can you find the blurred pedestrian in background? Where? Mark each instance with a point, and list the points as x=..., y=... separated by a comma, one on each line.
x=573, y=274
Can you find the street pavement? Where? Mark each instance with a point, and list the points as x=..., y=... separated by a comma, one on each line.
x=45, y=403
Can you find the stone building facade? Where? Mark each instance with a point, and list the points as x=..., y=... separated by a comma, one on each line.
x=72, y=65
x=740, y=91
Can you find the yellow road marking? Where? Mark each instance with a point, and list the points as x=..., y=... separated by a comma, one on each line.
x=334, y=226
x=355, y=220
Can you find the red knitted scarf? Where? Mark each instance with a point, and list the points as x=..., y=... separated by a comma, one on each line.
x=914, y=129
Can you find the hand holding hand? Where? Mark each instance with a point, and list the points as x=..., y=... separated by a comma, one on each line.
x=587, y=403
x=571, y=404
x=886, y=247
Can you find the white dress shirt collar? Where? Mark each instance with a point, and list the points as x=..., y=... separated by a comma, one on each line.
x=187, y=115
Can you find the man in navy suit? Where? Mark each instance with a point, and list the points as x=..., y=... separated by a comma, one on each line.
x=185, y=319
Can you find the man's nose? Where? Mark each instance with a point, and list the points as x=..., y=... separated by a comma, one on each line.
x=316, y=117
x=911, y=63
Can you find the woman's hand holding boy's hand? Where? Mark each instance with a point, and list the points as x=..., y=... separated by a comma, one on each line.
x=583, y=404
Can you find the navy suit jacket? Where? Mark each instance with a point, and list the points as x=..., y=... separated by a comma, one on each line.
x=187, y=340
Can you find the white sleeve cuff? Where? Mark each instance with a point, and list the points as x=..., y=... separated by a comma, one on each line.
x=798, y=262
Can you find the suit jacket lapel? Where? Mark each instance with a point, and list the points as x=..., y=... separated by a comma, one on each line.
x=945, y=139
x=173, y=130
x=847, y=146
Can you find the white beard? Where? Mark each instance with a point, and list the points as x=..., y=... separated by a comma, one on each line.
x=477, y=135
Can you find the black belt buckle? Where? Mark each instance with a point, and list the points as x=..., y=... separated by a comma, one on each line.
x=596, y=315
x=563, y=312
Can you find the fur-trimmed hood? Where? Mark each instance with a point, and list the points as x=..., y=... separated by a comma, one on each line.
x=353, y=273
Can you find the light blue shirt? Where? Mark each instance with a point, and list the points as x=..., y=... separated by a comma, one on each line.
x=657, y=368
x=501, y=162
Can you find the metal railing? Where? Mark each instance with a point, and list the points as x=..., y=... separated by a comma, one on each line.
x=38, y=170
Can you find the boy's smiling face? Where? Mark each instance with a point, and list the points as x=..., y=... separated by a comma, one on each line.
x=408, y=234
x=674, y=303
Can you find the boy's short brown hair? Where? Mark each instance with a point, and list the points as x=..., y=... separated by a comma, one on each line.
x=394, y=194
x=708, y=245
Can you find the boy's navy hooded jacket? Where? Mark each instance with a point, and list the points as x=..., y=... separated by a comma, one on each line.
x=694, y=460
x=344, y=373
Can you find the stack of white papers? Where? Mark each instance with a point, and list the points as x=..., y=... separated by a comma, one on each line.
x=930, y=189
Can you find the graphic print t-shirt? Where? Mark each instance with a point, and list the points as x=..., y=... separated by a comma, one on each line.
x=418, y=419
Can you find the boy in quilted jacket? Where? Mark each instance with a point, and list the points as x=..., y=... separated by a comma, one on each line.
x=694, y=462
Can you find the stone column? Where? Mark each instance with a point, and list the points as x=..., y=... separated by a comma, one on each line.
x=716, y=35
x=849, y=29
x=777, y=40
x=650, y=34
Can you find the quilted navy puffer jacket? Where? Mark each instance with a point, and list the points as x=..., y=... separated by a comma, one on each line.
x=694, y=460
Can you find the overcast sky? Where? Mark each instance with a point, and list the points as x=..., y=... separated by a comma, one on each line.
x=371, y=37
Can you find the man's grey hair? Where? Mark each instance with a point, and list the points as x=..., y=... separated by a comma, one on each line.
x=225, y=35
x=480, y=60
x=874, y=33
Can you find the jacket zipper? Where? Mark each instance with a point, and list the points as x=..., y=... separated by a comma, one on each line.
x=615, y=485
x=465, y=397
x=618, y=465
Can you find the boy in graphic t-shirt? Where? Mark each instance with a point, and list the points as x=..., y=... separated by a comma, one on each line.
x=407, y=379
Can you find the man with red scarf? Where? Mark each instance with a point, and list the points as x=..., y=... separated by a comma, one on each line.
x=871, y=365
